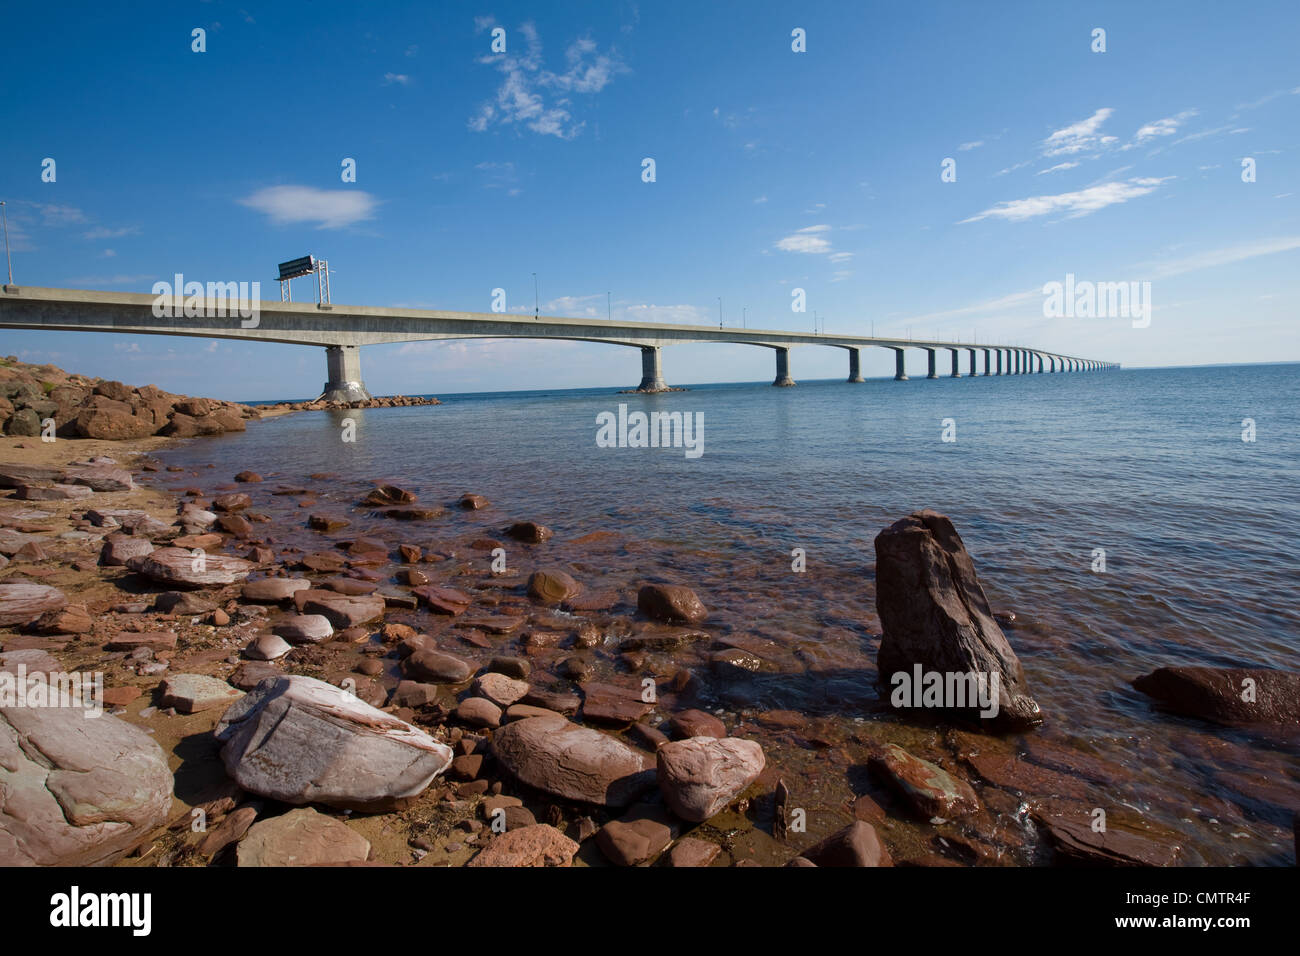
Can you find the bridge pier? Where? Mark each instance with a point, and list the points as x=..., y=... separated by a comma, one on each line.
x=973, y=373
x=956, y=372
x=998, y=354
x=855, y=365
x=900, y=366
x=344, y=368
x=652, y=370
x=987, y=360
x=933, y=373
x=783, y=379
x=1039, y=356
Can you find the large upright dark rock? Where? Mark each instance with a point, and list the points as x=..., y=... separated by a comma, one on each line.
x=934, y=614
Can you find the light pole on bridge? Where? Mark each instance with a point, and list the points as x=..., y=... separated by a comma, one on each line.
x=5, y=215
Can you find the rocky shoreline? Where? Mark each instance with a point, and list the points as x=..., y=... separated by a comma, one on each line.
x=411, y=705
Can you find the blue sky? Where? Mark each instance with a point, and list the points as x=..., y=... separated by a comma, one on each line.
x=775, y=170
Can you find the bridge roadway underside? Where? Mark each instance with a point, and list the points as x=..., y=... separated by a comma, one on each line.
x=342, y=330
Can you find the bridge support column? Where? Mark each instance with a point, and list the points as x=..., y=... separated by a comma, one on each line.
x=344, y=368
x=932, y=373
x=1019, y=358
x=956, y=372
x=1039, y=356
x=900, y=366
x=855, y=365
x=987, y=359
x=973, y=372
x=783, y=378
x=652, y=370
x=998, y=353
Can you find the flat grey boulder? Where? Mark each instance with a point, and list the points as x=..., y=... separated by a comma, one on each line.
x=300, y=740
x=573, y=762
x=178, y=567
x=76, y=791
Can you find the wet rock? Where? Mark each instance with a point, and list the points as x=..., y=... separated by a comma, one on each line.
x=273, y=590
x=931, y=790
x=697, y=723
x=302, y=837
x=524, y=711
x=179, y=568
x=248, y=476
x=530, y=532
x=692, y=851
x=389, y=495
x=1073, y=837
x=77, y=792
x=539, y=845
x=501, y=690
x=651, y=737
x=436, y=667
x=855, y=845
x=1008, y=772
x=444, y=600
x=935, y=618
x=235, y=502
x=321, y=522
x=193, y=693
x=22, y=602
x=236, y=525
x=1226, y=695
x=671, y=602
x=551, y=586
x=557, y=701
x=268, y=647
x=516, y=667
x=701, y=775
x=301, y=740
x=473, y=502
x=613, y=704
x=572, y=762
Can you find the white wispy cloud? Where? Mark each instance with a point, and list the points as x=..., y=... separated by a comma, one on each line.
x=1078, y=137
x=101, y=232
x=541, y=99
x=1223, y=256
x=1057, y=168
x=808, y=240
x=1074, y=204
x=1163, y=127
x=966, y=147
x=329, y=208
x=401, y=79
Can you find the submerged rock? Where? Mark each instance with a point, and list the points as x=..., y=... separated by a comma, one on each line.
x=1226, y=695
x=671, y=602
x=936, y=620
x=931, y=790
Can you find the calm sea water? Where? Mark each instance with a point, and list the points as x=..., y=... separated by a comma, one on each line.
x=1199, y=530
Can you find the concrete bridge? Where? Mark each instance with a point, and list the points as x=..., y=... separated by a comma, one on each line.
x=342, y=329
